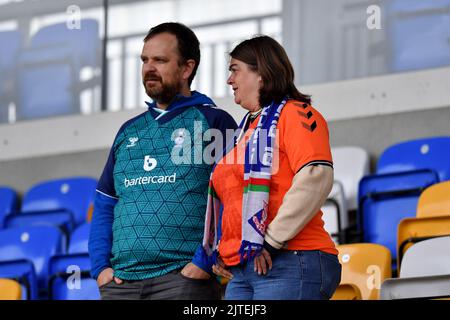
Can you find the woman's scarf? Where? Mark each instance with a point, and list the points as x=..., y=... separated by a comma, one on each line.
x=257, y=175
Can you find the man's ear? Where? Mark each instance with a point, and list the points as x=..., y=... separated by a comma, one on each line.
x=189, y=66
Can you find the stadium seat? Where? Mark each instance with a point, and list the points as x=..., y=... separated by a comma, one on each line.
x=74, y=194
x=427, y=153
x=10, y=290
x=413, y=230
x=432, y=218
x=364, y=267
x=62, y=219
x=10, y=43
x=425, y=272
x=386, y=199
x=70, y=278
x=347, y=292
x=343, y=196
x=335, y=214
x=434, y=201
x=350, y=165
x=79, y=239
x=431, y=287
x=427, y=258
x=9, y=203
x=49, y=75
x=35, y=244
x=431, y=25
x=23, y=272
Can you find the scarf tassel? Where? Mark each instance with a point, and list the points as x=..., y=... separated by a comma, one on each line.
x=249, y=250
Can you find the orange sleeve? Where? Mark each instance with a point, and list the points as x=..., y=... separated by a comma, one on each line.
x=304, y=136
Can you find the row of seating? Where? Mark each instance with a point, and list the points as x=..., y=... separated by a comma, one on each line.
x=38, y=258
x=46, y=233
x=366, y=272
x=385, y=201
x=65, y=202
x=384, y=198
x=42, y=76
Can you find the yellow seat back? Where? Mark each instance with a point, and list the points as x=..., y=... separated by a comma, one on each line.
x=434, y=201
x=10, y=290
x=364, y=266
x=347, y=292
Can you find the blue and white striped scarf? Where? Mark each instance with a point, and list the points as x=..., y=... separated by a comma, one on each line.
x=259, y=154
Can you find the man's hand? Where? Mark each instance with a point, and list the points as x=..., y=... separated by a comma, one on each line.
x=106, y=276
x=220, y=269
x=192, y=271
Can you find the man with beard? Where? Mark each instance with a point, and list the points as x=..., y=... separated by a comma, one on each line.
x=148, y=220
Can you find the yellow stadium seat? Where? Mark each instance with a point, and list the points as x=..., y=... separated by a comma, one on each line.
x=347, y=292
x=10, y=290
x=412, y=230
x=434, y=201
x=364, y=268
x=89, y=213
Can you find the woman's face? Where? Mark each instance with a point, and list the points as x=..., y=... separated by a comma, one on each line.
x=245, y=84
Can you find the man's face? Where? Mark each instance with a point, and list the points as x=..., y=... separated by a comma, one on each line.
x=162, y=75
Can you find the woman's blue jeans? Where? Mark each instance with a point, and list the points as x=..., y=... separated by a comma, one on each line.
x=295, y=275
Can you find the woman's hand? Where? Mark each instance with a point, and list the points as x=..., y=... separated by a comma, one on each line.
x=263, y=261
x=220, y=269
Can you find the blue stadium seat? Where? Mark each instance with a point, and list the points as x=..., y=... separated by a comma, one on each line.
x=386, y=199
x=9, y=203
x=63, y=219
x=70, y=278
x=72, y=194
x=427, y=153
x=49, y=81
x=419, y=33
x=79, y=239
x=23, y=272
x=35, y=244
x=10, y=43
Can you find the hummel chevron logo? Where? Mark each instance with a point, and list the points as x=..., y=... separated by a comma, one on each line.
x=301, y=105
x=305, y=115
x=311, y=127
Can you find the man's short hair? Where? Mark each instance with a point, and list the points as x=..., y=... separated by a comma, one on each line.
x=188, y=44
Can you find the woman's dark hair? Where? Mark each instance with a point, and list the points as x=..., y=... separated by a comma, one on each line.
x=266, y=56
x=188, y=44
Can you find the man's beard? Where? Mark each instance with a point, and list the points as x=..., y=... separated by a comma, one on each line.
x=163, y=93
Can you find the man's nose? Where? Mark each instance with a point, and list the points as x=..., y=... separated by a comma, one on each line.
x=230, y=80
x=148, y=67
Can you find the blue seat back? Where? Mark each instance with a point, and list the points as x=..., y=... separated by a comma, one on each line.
x=62, y=219
x=83, y=42
x=10, y=44
x=70, y=278
x=427, y=153
x=386, y=199
x=393, y=182
x=49, y=76
x=45, y=90
x=34, y=243
x=419, y=32
x=9, y=203
x=74, y=194
x=382, y=216
x=79, y=239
